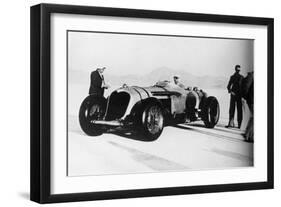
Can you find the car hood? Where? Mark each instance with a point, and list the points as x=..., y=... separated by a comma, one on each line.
x=155, y=90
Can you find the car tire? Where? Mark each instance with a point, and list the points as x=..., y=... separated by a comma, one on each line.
x=151, y=122
x=93, y=107
x=211, y=112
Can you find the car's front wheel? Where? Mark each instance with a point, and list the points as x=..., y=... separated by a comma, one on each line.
x=211, y=112
x=152, y=122
x=91, y=109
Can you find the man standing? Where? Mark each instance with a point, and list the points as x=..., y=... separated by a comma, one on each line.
x=97, y=82
x=248, y=95
x=234, y=88
x=177, y=81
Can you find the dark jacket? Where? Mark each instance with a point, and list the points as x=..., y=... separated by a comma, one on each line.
x=96, y=83
x=248, y=88
x=235, y=84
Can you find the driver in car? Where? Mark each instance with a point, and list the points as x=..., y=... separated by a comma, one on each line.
x=177, y=81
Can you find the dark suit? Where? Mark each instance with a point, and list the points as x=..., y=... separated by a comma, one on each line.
x=96, y=84
x=234, y=88
x=248, y=90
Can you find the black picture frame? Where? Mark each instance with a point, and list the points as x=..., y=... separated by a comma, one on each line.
x=40, y=184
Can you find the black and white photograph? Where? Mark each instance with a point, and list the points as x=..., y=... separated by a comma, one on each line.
x=129, y=103
x=150, y=103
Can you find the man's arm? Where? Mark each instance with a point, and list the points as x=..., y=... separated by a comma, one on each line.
x=229, y=84
x=181, y=85
x=241, y=81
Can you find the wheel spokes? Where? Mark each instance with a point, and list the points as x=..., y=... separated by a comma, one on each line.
x=94, y=112
x=154, y=120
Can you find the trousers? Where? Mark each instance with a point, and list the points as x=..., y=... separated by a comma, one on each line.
x=235, y=100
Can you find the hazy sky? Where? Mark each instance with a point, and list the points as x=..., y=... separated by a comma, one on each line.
x=138, y=54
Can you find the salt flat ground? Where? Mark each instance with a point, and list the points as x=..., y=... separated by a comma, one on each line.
x=179, y=148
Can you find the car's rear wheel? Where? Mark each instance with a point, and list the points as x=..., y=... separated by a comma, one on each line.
x=152, y=122
x=91, y=109
x=211, y=112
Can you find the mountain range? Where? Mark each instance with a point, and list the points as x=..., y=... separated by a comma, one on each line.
x=161, y=73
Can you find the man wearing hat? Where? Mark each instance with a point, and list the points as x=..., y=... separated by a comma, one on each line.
x=97, y=82
x=234, y=87
x=177, y=81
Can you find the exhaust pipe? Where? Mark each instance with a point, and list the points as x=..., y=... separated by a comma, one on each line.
x=108, y=123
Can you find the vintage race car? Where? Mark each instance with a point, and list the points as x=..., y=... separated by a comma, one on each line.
x=146, y=110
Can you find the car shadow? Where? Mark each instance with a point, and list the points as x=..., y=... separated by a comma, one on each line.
x=208, y=133
x=73, y=126
x=218, y=127
x=128, y=134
